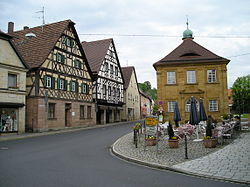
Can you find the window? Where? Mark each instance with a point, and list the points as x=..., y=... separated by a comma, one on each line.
x=89, y=112
x=49, y=81
x=51, y=111
x=85, y=88
x=188, y=105
x=81, y=111
x=104, y=89
x=12, y=80
x=68, y=42
x=213, y=106
x=116, y=71
x=109, y=90
x=111, y=69
x=118, y=92
x=171, y=78
x=191, y=78
x=114, y=92
x=60, y=84
x=106, y=67
x=60, y=58
x=74, y=86
x=211, y=75
x=171, y=105
x=77, y=64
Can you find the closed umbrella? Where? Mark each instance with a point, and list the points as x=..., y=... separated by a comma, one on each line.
x=194, y=118
x=202, y=113
x=177, y=115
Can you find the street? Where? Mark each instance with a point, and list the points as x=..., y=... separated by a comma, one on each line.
x=82, y=158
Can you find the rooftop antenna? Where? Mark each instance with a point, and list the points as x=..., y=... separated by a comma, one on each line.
x=43, y=19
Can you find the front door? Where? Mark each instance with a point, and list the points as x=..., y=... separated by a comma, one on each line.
x=67, y=114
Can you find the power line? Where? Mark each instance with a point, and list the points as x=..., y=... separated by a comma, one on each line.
x=163, y=35
x=239, y=55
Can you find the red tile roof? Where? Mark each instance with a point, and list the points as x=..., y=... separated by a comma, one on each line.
x=190, y=52
x=35, y=50
x=95, y=52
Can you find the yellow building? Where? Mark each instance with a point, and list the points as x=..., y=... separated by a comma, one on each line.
x=192, y=70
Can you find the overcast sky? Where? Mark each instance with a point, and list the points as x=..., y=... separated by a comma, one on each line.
x=222, y=26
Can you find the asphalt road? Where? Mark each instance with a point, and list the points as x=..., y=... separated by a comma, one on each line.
x=82, y=159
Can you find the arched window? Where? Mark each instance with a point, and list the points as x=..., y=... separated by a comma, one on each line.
x=188, y=105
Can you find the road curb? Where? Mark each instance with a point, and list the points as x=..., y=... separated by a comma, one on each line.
x=60, y=131
x=158, y=166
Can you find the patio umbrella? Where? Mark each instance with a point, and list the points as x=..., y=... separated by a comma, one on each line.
x=194, y=117
x=202, y=113
x=177, y=115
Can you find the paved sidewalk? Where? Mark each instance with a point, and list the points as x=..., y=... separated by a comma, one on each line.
x=229, y=163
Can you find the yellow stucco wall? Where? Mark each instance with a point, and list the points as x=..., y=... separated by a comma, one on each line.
x=182, y=92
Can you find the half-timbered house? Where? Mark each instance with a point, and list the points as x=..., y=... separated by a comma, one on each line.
x=59, y=82
x=108, y=79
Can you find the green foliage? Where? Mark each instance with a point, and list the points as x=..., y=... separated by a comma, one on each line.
x=146, y=88
x=241, y=94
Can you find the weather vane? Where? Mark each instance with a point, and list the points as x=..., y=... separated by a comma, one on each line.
x=187, y=21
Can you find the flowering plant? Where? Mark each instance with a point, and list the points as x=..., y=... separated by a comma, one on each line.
x=174, y=138
x=207, y=137
x=151, y=138
x=137, y=126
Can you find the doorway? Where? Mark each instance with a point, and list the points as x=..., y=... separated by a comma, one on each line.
x=67, y=114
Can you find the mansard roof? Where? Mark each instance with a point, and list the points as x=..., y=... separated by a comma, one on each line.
x=190, y=52
x=96, y=52
x=127, y=73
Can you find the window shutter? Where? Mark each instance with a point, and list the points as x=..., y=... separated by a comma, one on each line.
x=87, y=88
x=77, y=87
x=63, y=59
x=53, y=82
x=45, y=81
x=70, y=86
x=71, y=43
x=82, y=85
x=58, y=83
x=65, y=85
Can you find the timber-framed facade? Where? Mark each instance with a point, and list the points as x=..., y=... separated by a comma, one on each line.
x=59, y=82
x=108, y=79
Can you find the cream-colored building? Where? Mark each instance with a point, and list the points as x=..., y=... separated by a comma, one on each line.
x=192, y=70
x=131, y=108
x=12, y=87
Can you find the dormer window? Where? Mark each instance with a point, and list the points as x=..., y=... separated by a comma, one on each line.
x=189, y=54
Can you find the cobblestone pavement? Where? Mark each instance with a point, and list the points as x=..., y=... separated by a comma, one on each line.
x=228, y=162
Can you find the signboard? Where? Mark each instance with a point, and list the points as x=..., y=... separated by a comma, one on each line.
x=151, y=125
x=151, y=121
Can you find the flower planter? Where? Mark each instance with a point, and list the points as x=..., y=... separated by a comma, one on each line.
x=151, y=142
x=173, y=143
x=210, y=143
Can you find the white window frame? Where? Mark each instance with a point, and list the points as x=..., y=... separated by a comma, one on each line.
x=171, y=78
x=211, y=76
x=171, y=105
x=12, y=80
x=213, y=105
x=73, y=86
x=191, y=77
x=61, y=84
x=48, y=82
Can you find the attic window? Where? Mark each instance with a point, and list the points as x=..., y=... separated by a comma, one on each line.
x=189, y=54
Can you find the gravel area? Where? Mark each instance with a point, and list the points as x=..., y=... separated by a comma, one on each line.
x=165, y=156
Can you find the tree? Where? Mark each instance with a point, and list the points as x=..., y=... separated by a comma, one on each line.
x=241, y=94
x=146, y=88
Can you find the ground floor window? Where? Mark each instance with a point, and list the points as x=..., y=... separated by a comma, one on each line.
x=81, y=111
x=89, y=112
x=8, y=119
x=51, y=111
x=213, y=105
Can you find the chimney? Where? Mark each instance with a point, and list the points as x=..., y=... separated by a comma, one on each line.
x=10, y=27
x=25, y=27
